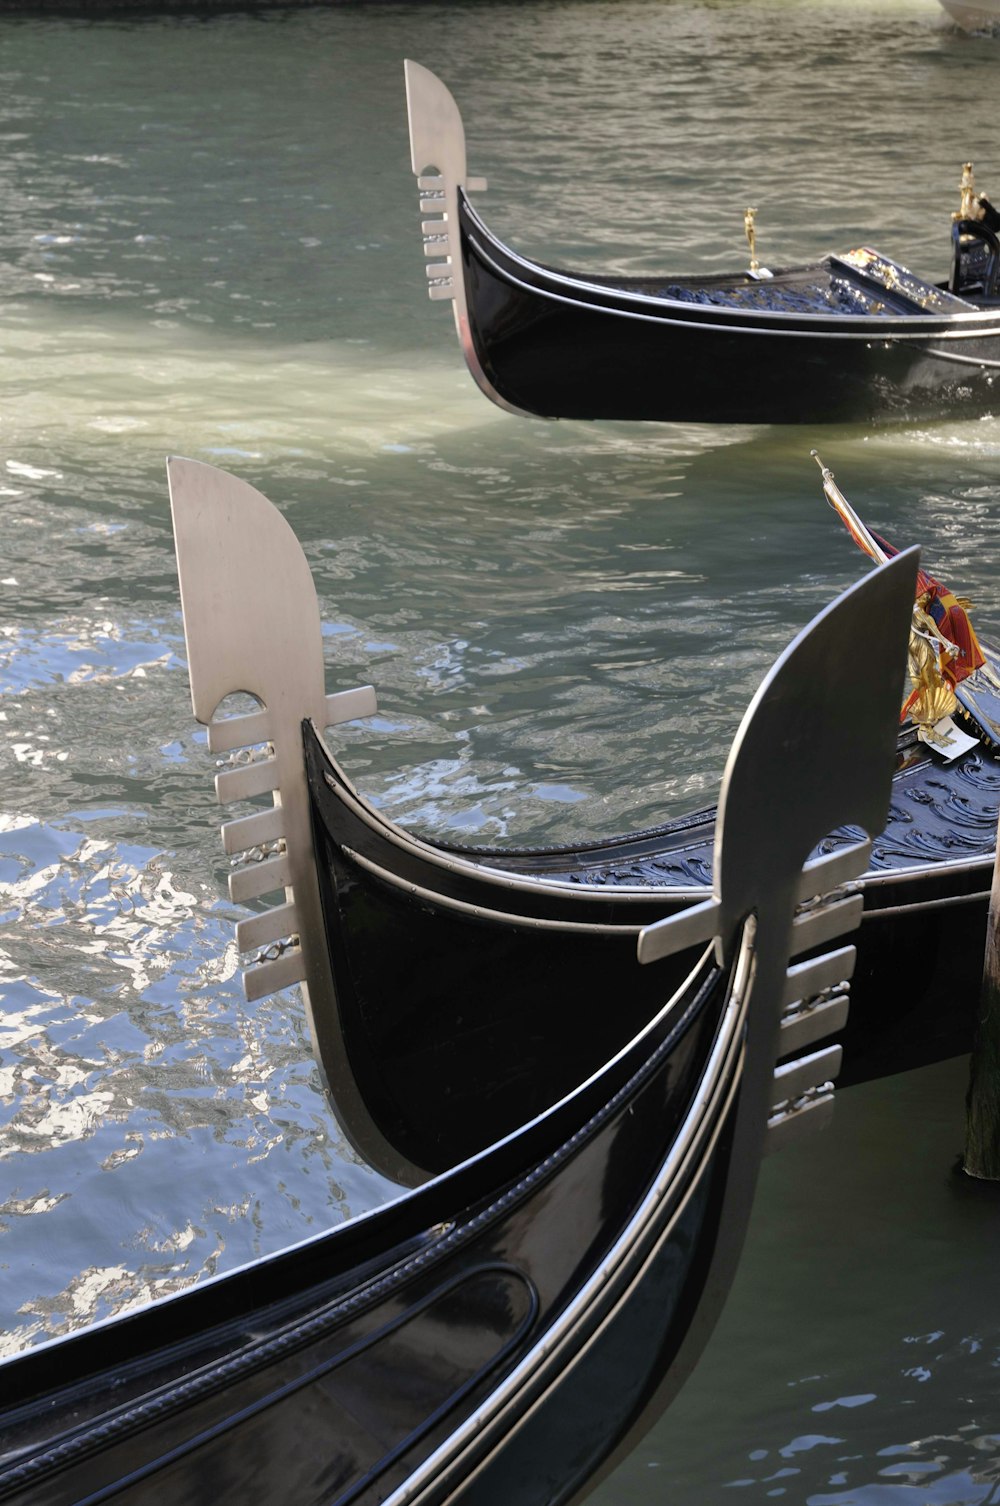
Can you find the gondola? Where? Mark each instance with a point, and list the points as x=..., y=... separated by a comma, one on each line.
x=460, y=989
x=974, y=15
x=853, y=336
x=501, y=1333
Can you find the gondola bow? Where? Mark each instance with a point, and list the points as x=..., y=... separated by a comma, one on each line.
x=853, y=336
x=455, y=1345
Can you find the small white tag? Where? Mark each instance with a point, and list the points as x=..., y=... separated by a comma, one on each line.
x=946, y=739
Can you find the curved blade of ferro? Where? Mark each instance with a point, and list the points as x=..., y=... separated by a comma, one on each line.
x=815, y=752
x=252, y=625
x=816, y=748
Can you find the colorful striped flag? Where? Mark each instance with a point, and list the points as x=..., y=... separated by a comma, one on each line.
x=939, y=614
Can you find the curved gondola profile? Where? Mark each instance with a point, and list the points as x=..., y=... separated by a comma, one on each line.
x=456, y=1345
x=456, y=991
x=974, y=15
x=851, y=336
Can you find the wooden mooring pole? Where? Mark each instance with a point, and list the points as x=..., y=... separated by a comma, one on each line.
x=982, y=1121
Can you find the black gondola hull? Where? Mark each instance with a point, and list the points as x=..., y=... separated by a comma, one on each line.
x=403, y=1350
x=555, y=345
x=419, y=938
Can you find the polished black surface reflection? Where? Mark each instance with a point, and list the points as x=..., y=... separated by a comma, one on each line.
x=468, y=996
x=417, y=1336
x=564, y=345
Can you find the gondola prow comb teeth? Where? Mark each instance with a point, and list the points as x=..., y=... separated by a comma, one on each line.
x=252, y=626
x=437, y=139
x=437, y=155
x=834, y=727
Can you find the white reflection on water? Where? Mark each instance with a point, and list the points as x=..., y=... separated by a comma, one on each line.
x=148, y=1069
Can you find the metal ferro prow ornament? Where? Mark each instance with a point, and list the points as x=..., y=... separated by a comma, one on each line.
x=437, y=141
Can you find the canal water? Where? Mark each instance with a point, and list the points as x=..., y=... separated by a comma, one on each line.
x=209, y=246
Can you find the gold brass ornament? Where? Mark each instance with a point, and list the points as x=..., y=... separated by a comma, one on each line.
x=933, y=697
x=749, y=218
x=970, y=207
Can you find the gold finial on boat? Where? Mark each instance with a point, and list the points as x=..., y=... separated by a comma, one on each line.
x=969, y=208
x=933, y=697
x=749, y=218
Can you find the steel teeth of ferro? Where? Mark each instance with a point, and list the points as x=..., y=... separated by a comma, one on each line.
x=265, y=874
x=815, y=1006
x=825, y=919
x=258, y=777
x=281, y=966
x=811, y=1111
x=810, y=1020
